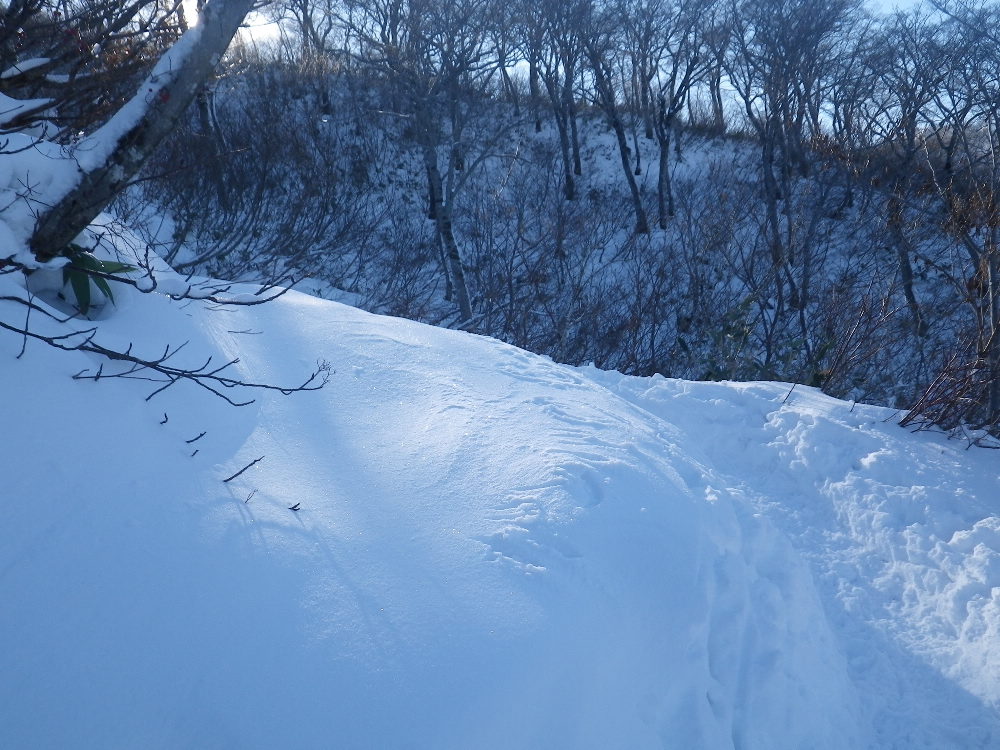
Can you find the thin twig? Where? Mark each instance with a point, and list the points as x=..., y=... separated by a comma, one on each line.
x=256, y=460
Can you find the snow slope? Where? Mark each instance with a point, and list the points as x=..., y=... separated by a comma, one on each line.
x=490, y=551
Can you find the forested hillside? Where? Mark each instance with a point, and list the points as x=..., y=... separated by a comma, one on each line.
x=798, y=190
x=802, y=190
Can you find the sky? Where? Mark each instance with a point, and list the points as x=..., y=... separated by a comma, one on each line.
x=262, y=29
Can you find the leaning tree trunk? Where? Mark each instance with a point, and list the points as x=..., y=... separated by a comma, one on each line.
x=641, y=222
x=606, y=98
x=895, y=213
x=123, y=145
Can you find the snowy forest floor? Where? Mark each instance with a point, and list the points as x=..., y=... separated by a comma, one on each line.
x=487, y=549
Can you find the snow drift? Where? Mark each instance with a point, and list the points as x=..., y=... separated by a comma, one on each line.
x=459, y=544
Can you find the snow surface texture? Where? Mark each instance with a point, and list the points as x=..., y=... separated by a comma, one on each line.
x=490, y=551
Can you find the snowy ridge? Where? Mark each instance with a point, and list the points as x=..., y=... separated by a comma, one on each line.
x=490, y=550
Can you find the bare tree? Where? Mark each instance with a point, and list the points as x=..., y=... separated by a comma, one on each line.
x=312, y=23
x=297, y=200
x=716, y=28
x=503, y=35
x=437, y=56
x=675, y=63
x=527, y=28
x=601, y=31
x=851, y=89
x=779, y=48
x=911, y=63
x=959, y=150
x=118, y=150
x=558, y=65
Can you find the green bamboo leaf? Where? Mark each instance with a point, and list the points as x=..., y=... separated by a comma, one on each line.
x=80, y=282
x=108, y=266
x=103, y=285
x=83, y=268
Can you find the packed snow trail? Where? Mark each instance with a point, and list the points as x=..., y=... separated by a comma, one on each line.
x=489, y=550
x=900, y=529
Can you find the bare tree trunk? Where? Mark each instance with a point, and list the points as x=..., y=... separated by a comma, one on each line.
x=569, y=183
x=993, y=343
x=446, y=235
x=666, y=115
x=131, y=136
x=562, y=126
x=534, y=92
x=211, y=132
x=511, y=89
x=570, y=103
x=715, y=93
x=772, y=194
x=641, y=222
x=638, y=151
x=894, y=212
x=664, y=190
x=646, y=103
x=606, y=97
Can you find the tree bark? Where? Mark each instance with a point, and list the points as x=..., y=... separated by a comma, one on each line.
x=534, y=93
x=715, y=95
x=641, y=222
x=570, y=103
x=993, y=342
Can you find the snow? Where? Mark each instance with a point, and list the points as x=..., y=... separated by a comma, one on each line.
x=31, y=171
x=11, y=109
x=24, y=66
x=490, y=550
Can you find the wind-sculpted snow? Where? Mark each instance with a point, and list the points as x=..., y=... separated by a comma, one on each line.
x=488, y=550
